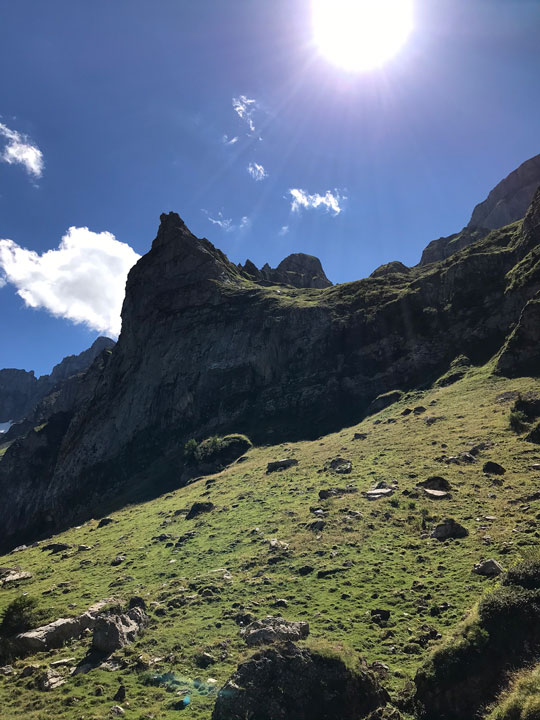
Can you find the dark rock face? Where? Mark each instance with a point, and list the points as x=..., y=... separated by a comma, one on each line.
x=509, y=200
x=289, y=683
x=21, y=391
x=17, y=390
x=390, y=268
x=298, y=270
x=204, y=351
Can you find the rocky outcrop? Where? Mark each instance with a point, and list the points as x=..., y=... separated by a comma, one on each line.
x=298, y=270
x=292, y=683
x=112, y=632
x=391, y=268
x=509, y=200
x=205, y=351
x=274, y=629
x=21, y=391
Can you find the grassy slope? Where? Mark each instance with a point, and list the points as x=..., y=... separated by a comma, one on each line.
x=384, y=548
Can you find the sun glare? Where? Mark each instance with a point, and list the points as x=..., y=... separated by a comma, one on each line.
x=360, y=35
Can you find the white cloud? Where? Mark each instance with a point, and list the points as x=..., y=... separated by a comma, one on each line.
x=330, y=201
x=3, y=282
x=245, y=108
x=83, y=280
x=284, y=230
x=257, y=171
x=230, y=141
x=226, y=223
x=20, y=150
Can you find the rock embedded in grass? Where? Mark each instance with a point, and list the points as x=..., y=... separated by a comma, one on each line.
x=274, y=629
x=278, y=465
x=449, y=528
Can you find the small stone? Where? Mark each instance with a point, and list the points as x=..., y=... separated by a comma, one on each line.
x=436, y=494
x=118, y=560
x=117, y=710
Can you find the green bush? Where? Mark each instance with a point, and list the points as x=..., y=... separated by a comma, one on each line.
x=518, y=421
x=214, y=449
x=190, y=448
x=19, y=616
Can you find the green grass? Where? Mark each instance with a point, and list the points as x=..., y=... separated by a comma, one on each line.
x=224, y=568
x=522, y=701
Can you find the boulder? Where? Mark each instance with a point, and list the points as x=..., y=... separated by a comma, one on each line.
x=335, y=492
x=436, y=494
x=274, y=629
x=435, y=482
x=278, y=465
x=198, y=508
x=53, y=635
x=13, y=576
x=449, y=528
x=378, y=493
x=488, y=568
x=291, y=683
x=112, y=632
x=105, y=521
x=493, y=468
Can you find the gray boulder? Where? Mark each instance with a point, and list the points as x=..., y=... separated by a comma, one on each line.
x=274, y=629
x=112, y=632
x=488, y=568
x=277, y=465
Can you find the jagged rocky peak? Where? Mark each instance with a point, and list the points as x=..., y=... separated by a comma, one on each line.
x=299, y=270
x=509, y=200
x=74, y=364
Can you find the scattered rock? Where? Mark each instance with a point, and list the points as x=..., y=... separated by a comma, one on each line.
x=383, y=401
x=378, y=493
x=273, y=629
x=120, y=695
x=49, y=680
x=13, y=576
x=379, y=615
x=436, y=494
x=84, y=548
x=291, y=683
x=56, y=548
x=118, y=560
x=198, y=508
x=117, y=710
x=53, y=635
x=204, y=660
x=305, y=570
x=419, y=410
x=317, y=525
x=339, y=465
x=360, y=436
x=435, y=482
x=105, y=521
x=493, y=468
x=29, y=670
x=112, y=632
x=449, y=528
x=278, y=465
x=276, y=545
x=336, y=492
x=321, y=574
x=488, y=568
x=7, y=670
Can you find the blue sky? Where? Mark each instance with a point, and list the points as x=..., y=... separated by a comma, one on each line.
x=133, y=104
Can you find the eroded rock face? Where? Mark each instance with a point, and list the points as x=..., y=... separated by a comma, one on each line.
x=289, y=683
x=509, y=200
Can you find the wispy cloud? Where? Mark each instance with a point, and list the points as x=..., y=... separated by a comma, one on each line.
x=230, y=141
x=83, y=280
x=226, y=223
x=19, y=150
x=245, y=108
x=330, y=201
x=257, y=171
x=284, y=230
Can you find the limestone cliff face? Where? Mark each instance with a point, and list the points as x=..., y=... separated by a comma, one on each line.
x=205, y=349
x=509, y=200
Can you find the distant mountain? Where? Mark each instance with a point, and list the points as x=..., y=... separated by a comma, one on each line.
x=20, y=390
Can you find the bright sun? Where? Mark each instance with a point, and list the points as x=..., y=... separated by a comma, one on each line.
x=360, y=35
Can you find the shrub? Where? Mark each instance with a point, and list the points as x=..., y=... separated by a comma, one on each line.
x=190, y=448
x=19, y=616
x=518, y=421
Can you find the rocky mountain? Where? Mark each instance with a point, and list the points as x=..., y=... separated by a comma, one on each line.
x=20, y=390
x=298, y=270
x=212, y=349
x=505, y=204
